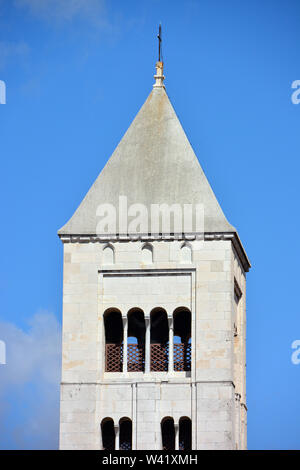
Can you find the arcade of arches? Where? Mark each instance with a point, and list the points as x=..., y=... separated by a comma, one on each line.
x=135, y=343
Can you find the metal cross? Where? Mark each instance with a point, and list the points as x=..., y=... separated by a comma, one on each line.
x=159, y=42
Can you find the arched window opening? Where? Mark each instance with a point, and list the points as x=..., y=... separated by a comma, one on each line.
x=108, y=434
x=108, y=255
x=185, y=434
x=159, y=339
x=125, y=434
x=182, y=339
x=186, y=253
x=136, y=341
x=147, y=254
x=113, y=340
x=168, y=434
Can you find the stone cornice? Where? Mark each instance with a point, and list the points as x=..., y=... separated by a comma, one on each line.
x=233, y=236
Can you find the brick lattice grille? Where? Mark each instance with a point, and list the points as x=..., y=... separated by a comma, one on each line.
x=114, y=358
x=159, y=357
x=182, y=357
x=135, y=357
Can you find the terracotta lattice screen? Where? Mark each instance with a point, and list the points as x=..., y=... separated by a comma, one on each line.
x=114, y=358
x=135, y=358
x=182, y=357
x=159, y=357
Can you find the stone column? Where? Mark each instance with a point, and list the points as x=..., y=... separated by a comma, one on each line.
x=176, y=436
x=171, y=345
x=125, y=336
x=117, y=437
x=147, y=351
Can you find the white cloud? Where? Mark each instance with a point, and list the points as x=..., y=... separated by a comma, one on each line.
x=29, y=383
x=65, y=10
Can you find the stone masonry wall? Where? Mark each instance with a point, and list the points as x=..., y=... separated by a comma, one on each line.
x=205, y=285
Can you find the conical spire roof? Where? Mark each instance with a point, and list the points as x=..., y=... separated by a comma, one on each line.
x=153, y=164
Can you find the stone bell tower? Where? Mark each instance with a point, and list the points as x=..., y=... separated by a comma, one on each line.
x=154, y=321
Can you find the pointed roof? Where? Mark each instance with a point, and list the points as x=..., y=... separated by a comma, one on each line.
x=153, y=164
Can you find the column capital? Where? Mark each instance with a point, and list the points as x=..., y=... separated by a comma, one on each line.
x=170, y=321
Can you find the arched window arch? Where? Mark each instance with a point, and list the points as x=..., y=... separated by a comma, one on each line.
x=185, y=433
x=108, y=254
x=108, y=434
x=147, y=253
x=136, y=340
x=159, y=339
x=168, y=433
x=113, y=327
x=125, y=425
x=182, y=339
x=186, y=253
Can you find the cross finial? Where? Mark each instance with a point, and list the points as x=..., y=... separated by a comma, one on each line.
x=159, y=43
x=159, y=76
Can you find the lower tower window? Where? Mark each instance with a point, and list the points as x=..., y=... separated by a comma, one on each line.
x=168, y=434
x=125, y=434
x=185, y=434
x=108, y=434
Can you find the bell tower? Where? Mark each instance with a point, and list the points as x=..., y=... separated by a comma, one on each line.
x=154, y=313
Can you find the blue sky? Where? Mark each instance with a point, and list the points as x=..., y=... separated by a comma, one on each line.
x=76, y=74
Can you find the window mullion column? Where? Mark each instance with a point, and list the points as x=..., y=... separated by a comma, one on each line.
x=147, y=341
x=117, y=437
x=171, y=345
x=176, y=436
x=125, y=338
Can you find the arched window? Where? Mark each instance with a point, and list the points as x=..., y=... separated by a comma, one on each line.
x=136, y=341
x=108, y=255
x=125, y=434
x=168, y=433
x=182, y=339
x=147, y=254
x=185, y=434
x=113, y=340
x=108, y=434
x=159, y=338
x=186, y=253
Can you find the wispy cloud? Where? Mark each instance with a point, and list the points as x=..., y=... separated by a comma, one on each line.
x=62, y=11
x=29, y=384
